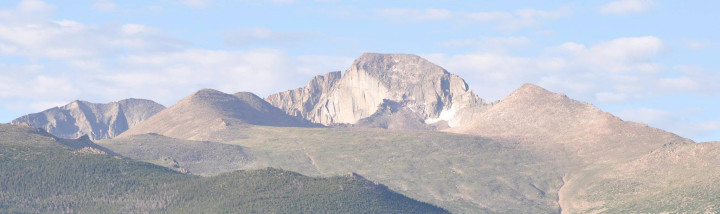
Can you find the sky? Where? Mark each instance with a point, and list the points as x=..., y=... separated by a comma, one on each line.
x=650, y=61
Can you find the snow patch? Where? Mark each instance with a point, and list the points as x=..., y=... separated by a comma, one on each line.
x=445, y=115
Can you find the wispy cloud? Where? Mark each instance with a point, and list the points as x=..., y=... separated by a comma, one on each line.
x=502, y=20
x=609, y=71
x=676, y=121
x=28, y=31
x=490, y=44
x=104, y=5
x=623, y=7
x=620, y=72
x=404, y=14
x=519, y=19
x=111, y=62
x=263, y=36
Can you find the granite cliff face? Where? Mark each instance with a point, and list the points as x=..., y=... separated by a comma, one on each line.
x=423, y=88
x=97, y=121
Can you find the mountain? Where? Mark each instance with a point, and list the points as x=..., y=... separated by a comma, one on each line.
x=423, y=88
x=609, y=164
x=97, y=121
x=208, y=111
x=535, y=115
x=41, y=175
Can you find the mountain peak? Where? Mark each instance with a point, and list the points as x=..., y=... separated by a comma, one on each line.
x=207, y=111
x=208, y=97
x=531, y=90
x=425, y=89
x=206, y=92
x=396, y=66
x=98, y=120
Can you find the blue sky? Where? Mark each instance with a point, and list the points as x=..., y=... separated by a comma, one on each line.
x=650, y=61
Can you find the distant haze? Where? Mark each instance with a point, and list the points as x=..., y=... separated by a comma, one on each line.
x=637, y=59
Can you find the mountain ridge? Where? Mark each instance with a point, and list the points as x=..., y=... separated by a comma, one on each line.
x=532, y=113
x=98, y=121
x=533, y=151
x=206, y=111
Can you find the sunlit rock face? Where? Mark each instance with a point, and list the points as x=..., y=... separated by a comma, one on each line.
x=97, y=121
x=428, y=91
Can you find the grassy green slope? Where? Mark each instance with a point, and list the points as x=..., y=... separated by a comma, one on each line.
x=671, y=179
x=462, y=173
x=199, y=157
x=38, y=174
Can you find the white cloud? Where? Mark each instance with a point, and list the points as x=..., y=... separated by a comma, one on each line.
x=646, y=115
x=501, y=20
x=131, y=29
x=674, y=121
x=34, y=6
x=698, y=44
x=35, y=35
x=610, y=97
x=618, y=73
x=111, y=62
x=490, y=44
x=519, y=19
x=104, y=5
x=262, y=36
x=679, y=84
x=606, y=72
x=622, y=7
x=401, y=14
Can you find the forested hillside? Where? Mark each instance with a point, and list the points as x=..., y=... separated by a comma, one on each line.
x=39, y=175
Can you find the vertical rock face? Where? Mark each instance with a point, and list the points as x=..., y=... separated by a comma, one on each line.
x=300, y=102
x=97, y=121
x=422, y=87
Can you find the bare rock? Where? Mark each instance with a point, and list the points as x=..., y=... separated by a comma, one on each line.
x=98, y=121
x=423, y=88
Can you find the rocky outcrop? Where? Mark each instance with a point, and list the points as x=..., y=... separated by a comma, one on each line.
x=423, y=88
x=97, y=121
x=209, y=111
x=392, y=115
x=300, y=102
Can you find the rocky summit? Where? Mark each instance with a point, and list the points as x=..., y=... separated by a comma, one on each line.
x=432, y=94
x=97, y=121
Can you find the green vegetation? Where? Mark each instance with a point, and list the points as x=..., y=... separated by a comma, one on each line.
x=672, y=179
x=40, y=175
x=464, y=174
x=199, y=157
